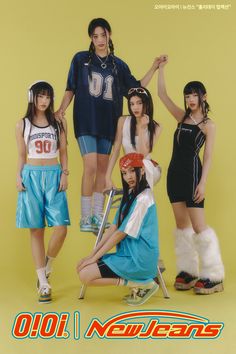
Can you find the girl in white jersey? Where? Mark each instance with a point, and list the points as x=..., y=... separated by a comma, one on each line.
x=137, y=133
x=41, y=181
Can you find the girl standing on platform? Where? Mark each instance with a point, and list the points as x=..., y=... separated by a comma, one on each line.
x=98, y=81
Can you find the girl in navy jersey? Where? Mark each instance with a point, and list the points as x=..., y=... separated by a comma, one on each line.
x=98, y=81
x=41, y=181
x=186, y=181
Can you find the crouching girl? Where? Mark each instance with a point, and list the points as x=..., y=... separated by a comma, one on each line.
x=134, y=233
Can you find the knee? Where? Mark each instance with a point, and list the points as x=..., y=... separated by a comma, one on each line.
x=102, y=169
x=84, y=276
x=61, y=231
x=198, y=228
x=90, y=169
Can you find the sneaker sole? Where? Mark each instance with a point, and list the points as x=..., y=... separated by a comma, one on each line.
x=143, y=300
x=182, y=286
x=45, y=302
x=204, y=291
x=87, y=230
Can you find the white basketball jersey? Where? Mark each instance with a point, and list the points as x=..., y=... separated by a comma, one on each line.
x=41, y=142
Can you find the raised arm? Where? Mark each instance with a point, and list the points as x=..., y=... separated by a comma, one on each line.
x=21, y=148
x=176, y=111
x=115, y=152
x=209, y=131
x=148, y=76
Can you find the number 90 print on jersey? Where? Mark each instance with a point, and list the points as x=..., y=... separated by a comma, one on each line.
x=41, y=142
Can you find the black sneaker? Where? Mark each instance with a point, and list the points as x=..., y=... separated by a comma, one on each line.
x=206, y=287
x=184, y=281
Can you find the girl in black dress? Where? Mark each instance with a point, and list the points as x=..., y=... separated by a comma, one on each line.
x=186, y=181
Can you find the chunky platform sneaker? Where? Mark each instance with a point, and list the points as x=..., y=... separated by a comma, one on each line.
x=141, y=295
x=184, y=281
x=206, y=287
x=45, y=294
x=86, y=224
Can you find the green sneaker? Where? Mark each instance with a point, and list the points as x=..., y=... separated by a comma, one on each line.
x=141, y=295
x=86, y=224
x=45, y=294
x=97, y=222
x=133, y=290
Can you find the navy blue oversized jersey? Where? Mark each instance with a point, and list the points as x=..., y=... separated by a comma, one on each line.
x=98, y=102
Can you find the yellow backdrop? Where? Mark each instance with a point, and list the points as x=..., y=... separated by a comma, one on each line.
x=38, y=41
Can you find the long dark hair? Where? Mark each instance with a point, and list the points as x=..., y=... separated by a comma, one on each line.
x=198, y=88
x=43, y=88
x=100, y=22
x=147, y=109
x=129, y=197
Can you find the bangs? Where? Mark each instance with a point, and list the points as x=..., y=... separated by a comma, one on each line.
x=194, y=87
x=43, y=88
x=46, y=92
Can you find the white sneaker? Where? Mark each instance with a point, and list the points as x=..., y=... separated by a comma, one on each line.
x=45, y=294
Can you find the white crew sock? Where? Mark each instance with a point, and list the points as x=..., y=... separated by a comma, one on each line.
x=86, y=206
x=42, y=276
x=49, y=261
x=98, y=203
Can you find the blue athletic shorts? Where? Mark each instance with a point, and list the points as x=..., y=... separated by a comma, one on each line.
x=88, y=144
x=41, y=200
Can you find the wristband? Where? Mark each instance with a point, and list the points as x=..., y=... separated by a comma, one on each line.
x=66, y=172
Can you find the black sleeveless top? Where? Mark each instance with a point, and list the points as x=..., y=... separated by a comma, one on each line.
x=185, y=169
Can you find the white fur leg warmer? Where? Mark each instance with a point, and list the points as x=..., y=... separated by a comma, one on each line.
x=209, y=253
x=186, y=255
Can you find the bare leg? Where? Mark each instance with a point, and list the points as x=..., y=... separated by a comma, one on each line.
x=91, y=276
x=89, y=173
x=102, y=163
x=181, y=214
x=197, y=217
x=37, y=247
x=56, y=241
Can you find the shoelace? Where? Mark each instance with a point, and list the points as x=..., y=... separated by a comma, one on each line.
x=44, y=289
x=134, y=292
x=86, y=220
x=142, y=292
